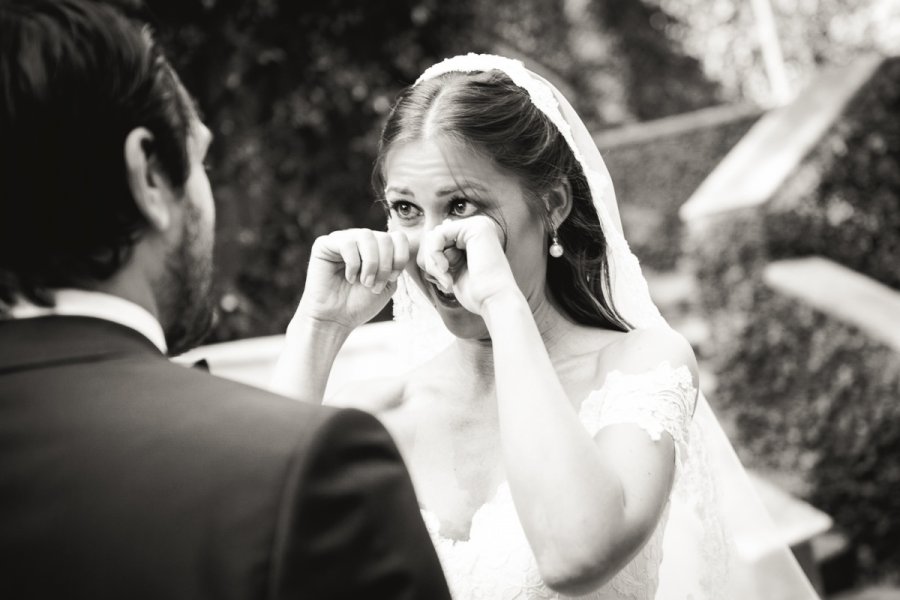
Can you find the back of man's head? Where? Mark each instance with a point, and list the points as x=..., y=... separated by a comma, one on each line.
x=75, y=78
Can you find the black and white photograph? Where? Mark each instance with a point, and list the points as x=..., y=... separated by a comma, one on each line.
x=462, y=300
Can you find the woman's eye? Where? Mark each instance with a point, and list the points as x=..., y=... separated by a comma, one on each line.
x=404, y=210
x=461, y=208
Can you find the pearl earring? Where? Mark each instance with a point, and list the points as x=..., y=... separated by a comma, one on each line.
x=556, y=249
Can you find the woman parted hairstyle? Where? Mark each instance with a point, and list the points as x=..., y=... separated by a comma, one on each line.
x=490, y=115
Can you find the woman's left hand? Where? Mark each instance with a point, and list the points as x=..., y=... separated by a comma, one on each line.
x=466, y=256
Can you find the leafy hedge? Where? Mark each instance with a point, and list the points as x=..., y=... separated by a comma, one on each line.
x=810, y=393
x=655, y=171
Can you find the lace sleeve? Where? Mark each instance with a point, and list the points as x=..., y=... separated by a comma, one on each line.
x=656, y=401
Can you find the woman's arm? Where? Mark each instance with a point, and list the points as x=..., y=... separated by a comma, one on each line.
x=351, y=276
x=303, y=367
x=586, y=505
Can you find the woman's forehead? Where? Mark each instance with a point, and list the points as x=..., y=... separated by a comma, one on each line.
x=437, y=163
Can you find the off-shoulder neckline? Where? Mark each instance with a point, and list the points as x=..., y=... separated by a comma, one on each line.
x=433, y=523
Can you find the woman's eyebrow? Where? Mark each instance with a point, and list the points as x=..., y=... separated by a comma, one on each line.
x=458, y=188
x=399, y=190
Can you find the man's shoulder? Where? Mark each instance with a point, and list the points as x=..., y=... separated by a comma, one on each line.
x=191, y=390
x=168, y=374
x=177, y=406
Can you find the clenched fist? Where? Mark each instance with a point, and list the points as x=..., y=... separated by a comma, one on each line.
x=352, y=274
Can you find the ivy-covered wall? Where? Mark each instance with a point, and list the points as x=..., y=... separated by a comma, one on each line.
x=655, y=168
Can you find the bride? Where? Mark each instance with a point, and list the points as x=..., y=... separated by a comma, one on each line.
x=551, y=420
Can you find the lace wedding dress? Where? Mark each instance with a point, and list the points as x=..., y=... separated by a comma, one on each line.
x=696, y=550
x=496, y=561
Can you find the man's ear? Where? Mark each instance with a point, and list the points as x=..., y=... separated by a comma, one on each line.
x=148, y=185
x=559, y=202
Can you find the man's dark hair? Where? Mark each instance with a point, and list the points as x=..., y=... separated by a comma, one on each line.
x=75, y=78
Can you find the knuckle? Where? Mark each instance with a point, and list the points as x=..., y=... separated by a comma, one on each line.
x=385, y=242
x=369, y=242
x=322, y=240
x=350, y=257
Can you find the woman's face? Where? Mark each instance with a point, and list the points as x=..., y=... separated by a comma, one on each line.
x=431, y=180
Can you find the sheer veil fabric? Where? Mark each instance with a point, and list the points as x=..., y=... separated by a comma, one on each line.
x=707, y=552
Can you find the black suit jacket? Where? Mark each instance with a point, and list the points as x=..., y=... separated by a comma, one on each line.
x=123, y=475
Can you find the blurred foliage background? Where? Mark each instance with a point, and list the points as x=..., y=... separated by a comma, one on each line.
x=296, y=93
x=811, y=394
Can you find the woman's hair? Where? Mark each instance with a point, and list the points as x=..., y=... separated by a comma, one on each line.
x=76, y=77
x=488, y=112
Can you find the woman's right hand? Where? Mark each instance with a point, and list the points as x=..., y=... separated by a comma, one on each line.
x=467, y=257
x=351, y=276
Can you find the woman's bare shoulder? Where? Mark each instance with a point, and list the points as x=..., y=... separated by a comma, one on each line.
x=645, y=349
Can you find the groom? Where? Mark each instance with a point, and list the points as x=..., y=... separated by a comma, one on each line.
x=123, y=475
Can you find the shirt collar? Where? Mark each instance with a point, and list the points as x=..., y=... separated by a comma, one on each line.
x=85, y=303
